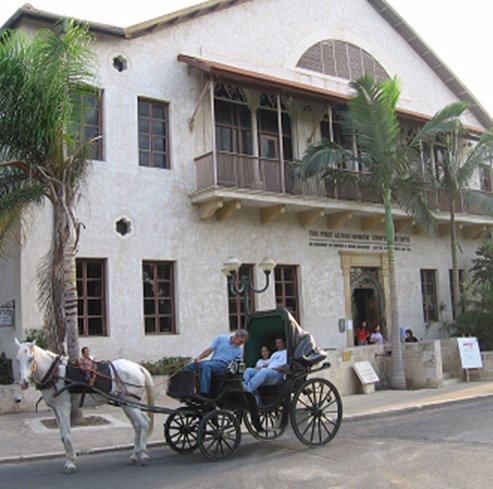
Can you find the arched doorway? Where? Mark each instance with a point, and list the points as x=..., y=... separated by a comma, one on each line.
x=368, y=301
x=366, y=289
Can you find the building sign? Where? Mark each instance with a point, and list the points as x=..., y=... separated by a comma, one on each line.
x=365, y=372
x=7, y=314
x=356, y=241
x=470, y=356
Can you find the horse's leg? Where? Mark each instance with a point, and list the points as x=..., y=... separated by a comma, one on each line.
x=140, y=423
x=62, y=413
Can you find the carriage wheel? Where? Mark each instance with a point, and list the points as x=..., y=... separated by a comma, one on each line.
x=180, y=431
x=316, y=412
x=272, y=422
x=219, y=435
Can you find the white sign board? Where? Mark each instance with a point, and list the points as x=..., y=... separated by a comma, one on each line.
x=470, y=357
x=366, y=373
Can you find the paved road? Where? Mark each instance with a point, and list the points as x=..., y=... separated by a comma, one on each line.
x=449, y=447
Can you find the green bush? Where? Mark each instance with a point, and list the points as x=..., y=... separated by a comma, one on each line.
x=166, y=366
x=6, y=376
x=39, y=335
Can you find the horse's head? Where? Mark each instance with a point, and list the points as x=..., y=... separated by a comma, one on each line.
x=25, y=361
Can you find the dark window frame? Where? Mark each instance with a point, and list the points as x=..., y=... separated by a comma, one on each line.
x=152, y=136
x=429, y=294
x=83, y=298
x=156, y=298
x=290, y=301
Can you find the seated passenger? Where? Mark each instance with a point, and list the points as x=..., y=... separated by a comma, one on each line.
x=269, y=374
x=224, y=350
x=263, y=361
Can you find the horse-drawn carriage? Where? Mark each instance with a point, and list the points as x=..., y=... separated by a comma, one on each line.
x=312, y=404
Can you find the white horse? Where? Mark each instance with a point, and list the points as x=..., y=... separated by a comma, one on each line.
x=128, y=382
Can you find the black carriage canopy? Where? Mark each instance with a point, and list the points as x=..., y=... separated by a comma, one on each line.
x=265, y=326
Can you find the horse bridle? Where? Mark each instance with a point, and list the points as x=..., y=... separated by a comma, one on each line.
x=50, y=378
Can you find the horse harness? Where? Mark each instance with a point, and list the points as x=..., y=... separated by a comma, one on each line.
x=94, y=379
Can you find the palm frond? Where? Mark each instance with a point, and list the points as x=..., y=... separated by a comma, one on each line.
x=410, y=193
x=321, y=157
x=444, y=121
x=374, y=118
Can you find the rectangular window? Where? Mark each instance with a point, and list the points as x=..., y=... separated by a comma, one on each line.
x=233, y=127
x=91, y=301
x=158, y=281
x=153, y=134
x=236, y=302
x=88, y=125
x=461, y=290
x=286, y=282
x=429, y=295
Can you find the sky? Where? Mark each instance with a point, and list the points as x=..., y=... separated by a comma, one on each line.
x=458, y=32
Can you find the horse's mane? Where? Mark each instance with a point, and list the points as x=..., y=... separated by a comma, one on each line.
x=49, y=352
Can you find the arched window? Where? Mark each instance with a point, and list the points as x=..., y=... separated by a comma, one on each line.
x=341, y=59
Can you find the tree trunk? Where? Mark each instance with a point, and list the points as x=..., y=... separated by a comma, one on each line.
x=398, y=377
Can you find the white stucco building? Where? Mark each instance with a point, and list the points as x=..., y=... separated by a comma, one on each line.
x=202, y=114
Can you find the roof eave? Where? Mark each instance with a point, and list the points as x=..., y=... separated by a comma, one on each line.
x=28, y=12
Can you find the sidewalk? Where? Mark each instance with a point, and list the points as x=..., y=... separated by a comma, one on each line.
x=25, y=437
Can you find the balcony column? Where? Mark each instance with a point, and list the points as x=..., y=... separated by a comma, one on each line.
x=281, y=149
x=213, y=125
x=255, y=147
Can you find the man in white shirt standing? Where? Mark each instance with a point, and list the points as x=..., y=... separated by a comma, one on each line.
x=270, y=374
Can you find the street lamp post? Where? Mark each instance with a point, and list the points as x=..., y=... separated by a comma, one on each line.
x=231, y=269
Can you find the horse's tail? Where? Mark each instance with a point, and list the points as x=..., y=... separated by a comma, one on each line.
x=149, y=386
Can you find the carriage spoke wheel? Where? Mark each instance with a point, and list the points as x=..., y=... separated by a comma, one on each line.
x=316, y=412
x=219, y=434
x=180, y=431
x=271, y=421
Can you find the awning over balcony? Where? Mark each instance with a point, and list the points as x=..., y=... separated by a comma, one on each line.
x=263, y=80
x=259, y=80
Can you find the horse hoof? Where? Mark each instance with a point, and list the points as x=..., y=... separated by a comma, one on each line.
x=144, y=461
x=132, y=461
x=69, y=469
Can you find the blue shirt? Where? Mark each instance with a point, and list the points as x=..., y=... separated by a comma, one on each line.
x=224, y=350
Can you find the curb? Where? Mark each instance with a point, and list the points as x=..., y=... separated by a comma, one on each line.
x=381, y=413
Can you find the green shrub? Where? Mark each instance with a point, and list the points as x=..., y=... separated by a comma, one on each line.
x=39, y=335
x=166, y=366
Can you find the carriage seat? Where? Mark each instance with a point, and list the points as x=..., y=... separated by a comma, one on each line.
x=79, y=380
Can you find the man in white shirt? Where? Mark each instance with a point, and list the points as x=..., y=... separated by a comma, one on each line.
x=271, y=373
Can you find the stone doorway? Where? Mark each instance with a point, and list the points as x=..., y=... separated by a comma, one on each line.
x=366, y=289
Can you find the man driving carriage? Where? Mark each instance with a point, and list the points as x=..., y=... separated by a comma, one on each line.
x=224, y=350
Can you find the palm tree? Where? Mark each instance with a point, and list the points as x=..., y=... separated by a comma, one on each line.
x=41, y=156
x=452, y=168
x=387, y=157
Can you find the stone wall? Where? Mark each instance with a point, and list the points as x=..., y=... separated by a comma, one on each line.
x=426, y=365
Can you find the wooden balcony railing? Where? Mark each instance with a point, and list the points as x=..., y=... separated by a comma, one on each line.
x=256, y=173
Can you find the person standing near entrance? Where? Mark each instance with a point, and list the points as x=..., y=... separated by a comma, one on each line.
x=376, y=338
x=361, y=334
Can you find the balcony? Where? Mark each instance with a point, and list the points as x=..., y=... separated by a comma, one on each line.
x=268, y=175
x=228, y=182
